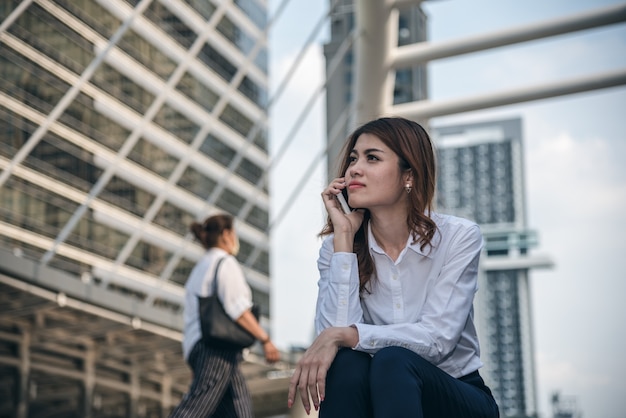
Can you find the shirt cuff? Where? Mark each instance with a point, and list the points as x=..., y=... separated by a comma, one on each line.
x=367, y=341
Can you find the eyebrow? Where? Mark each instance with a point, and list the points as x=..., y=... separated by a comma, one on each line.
x=367, y=151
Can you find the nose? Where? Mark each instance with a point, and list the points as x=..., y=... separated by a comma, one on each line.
x=354, y=169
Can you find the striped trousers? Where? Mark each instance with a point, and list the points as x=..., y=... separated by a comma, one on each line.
x=218, y=388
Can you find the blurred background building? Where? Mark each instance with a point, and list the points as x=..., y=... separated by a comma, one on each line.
x=564, y=406
x=121, y=122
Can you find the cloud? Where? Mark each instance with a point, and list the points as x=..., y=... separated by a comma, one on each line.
x=578, y=188
x=582, y=173
x=555, y=371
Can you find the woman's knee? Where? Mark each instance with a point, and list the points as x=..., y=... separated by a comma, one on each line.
x=347, y=386
x=349, y=368
x=392, y=362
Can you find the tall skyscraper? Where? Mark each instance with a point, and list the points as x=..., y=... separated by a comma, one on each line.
x=481, y=177
x=121, y=122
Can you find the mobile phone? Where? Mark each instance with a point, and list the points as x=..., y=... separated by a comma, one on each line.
x=344, y=204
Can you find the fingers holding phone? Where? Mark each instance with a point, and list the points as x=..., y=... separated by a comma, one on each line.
x=334, y=198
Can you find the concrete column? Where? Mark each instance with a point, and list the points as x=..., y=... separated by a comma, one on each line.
x=24, y=375
x=166, y=394
x=376, y=31
x=134, y=391
x=89, y=381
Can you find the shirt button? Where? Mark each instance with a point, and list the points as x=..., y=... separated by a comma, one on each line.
x=395, y=277
x=398, y=305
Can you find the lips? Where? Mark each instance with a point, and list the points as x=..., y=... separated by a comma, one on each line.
x=355, y=185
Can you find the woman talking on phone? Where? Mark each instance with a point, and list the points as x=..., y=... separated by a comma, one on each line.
x=218, y=388
x=394, y=315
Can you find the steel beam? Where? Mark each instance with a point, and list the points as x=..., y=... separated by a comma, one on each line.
x=426, y=109
x=420, y=53
x=377, y=57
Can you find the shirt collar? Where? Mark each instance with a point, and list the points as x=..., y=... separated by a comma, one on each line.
x=409, y=244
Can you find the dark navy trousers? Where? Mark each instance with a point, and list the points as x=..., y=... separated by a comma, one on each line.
x=218, y=388
x=398, y=383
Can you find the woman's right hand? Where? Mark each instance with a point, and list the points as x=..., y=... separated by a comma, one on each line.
x=343, y=224
x=309, y=376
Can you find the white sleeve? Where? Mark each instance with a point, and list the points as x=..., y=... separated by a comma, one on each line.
x=338, y=302
x=233, y=289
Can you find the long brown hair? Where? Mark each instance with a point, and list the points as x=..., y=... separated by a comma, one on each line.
x=209, y=231
x=415, y=152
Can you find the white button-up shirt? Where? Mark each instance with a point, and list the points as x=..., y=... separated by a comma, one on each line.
x=423, y=301
x=233, y=291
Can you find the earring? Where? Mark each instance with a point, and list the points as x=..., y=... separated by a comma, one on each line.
x=408, y=188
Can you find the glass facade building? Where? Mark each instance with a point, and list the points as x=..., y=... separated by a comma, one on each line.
x=121, y=122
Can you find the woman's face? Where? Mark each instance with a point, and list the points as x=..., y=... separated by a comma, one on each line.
x=373, y=177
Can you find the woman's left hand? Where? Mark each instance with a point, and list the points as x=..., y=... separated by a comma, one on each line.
x=272, y=355
x=309, y=376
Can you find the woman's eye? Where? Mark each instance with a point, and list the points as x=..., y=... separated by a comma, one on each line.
x=372, y=158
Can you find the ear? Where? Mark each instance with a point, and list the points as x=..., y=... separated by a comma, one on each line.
x=407, y=177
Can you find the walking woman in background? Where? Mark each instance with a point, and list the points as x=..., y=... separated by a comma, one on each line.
x=394, y=316
x=218, y=388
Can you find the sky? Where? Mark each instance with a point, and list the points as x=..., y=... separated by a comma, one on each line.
x=574, y=153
